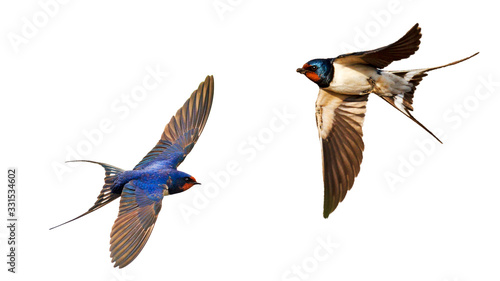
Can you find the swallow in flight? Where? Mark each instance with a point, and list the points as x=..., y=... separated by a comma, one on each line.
x=156, y=176
x=344, y=85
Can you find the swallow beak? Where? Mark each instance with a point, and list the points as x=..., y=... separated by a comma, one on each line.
x=301, y=70
x=195, y=183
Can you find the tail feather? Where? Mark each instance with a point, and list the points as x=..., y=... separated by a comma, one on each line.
x=390, y=100
x=404, y=101
x=106, y=196
x=423, y=70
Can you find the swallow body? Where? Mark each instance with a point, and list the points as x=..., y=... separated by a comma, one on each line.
x=344, y=85
x=142, y=189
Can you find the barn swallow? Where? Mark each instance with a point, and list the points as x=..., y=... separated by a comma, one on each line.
x=156, y=176
x=344, y=85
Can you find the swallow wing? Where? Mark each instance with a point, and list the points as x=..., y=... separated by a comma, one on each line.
x=139, y=208
x=340, y=120
x=382, y=57
x=184, y=129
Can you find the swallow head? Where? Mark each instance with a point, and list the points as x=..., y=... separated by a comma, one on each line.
x=320, y=71
x=180, y=182
x=189, y=182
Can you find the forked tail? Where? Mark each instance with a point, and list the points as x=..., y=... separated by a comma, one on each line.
x=106, y=196
x=404, y=101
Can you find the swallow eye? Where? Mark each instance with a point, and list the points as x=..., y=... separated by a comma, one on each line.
x=187, y=179
x=314, y=68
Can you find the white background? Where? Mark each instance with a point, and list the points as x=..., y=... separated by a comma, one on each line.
x=438, y=221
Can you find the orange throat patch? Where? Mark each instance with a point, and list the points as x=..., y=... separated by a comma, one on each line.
x=187, y=186
x=313, y=76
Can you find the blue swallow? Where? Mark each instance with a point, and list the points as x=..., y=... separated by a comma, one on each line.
x=344, y=85
x=156, y=176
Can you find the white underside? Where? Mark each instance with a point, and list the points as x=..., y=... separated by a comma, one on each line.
x=354, y=80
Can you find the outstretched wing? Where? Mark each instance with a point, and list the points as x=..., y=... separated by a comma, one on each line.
x=382, y=57
x=340, y=120
x=184, y=129
x=136, y=219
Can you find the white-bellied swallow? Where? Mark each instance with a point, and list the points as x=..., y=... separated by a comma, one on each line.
x=344, y=85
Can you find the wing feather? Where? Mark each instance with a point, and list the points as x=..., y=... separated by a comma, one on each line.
x=182, y=132
x=134, y=224
x=340, y=120
x=382, y=57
